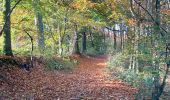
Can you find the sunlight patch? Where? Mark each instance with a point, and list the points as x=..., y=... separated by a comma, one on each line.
x=101, y=64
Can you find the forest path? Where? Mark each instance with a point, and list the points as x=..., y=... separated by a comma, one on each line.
x=88, y=81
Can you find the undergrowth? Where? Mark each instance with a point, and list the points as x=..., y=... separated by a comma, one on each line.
x=93, y=52
x=117, y=65
x=53, y=63
x=50, y=60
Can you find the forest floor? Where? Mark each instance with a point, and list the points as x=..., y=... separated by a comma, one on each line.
x=89, y=80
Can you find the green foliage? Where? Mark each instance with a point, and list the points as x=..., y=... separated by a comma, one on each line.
x=22, y=51
x=117, y=61
x=1, y=51
x=60, y=64
x=137, y=79
x=92, y=52
x=118, y=64
x=100, y=47
x=54, y=63
x=59, y=17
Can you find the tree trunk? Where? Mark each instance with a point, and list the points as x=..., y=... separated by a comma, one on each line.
x=156, y=90
x=75, y=42
x=40, y=27
x=121, y=36
x=83, y=42
x=7, y=29
x=115, y=41
x=91, y=37
x=39, y=24
x=130, y=62
x=59, y=40
x=68, y=43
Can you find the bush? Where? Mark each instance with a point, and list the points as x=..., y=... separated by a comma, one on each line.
x=118, y=62
x=53, y=64
x=118, y=65
x=60, y=64
x=92, y=52
x=142, y=81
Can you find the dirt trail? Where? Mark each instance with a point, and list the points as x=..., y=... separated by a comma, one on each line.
x=88, y=81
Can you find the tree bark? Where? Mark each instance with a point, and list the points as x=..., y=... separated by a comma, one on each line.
x=84, y=40
x=40, y=27
x=59, y=40
x=76, y=49
x=39, y=24
x=91, y=37
x=115, y=41
x=121, y=36
x=7, y=29
x=156, y=90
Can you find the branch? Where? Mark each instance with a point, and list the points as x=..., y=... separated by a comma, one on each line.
x=153, y=19
x=32, y=46
x=28, y=35
x=14, y=7
x=9, y=15
x=30, y=39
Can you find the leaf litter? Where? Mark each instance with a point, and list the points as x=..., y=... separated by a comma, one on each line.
x=87, y=81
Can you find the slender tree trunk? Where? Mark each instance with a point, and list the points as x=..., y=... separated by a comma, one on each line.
x=137, y=46
x=59, y=40
x=40, y=26
x=91, y=37
x=83, y=41
x=130, y=60
x=108, y=32
x=104, y=39
x=76, y=49
x=7, y=29
x=121, y=36
x=156, y=91
x=138, y=32
x=115, y=39
x=64, y=32
x=68, y=43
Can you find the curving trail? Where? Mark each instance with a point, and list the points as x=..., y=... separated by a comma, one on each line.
x=88, y=81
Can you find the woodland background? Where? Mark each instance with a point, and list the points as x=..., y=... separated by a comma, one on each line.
x=134, y=34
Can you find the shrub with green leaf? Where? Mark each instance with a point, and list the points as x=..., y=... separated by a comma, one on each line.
x=53, y=63
x=143, y=80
